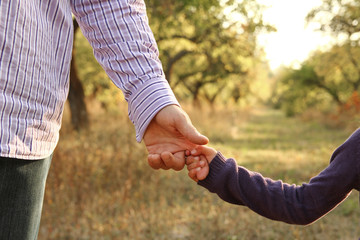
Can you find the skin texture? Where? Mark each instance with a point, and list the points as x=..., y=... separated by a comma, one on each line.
x=167, y=137
x=198, y=162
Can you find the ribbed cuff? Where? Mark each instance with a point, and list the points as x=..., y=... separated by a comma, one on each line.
x=147, y=102
x=216, y=165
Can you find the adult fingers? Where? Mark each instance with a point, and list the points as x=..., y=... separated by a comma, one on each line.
x=175, y=161
x=155, y=162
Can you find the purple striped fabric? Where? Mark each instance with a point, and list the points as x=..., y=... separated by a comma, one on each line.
x=35, y=54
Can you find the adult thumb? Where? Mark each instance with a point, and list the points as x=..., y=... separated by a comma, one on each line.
x=186, y=128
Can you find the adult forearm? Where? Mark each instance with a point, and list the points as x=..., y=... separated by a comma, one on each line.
x=125, y=47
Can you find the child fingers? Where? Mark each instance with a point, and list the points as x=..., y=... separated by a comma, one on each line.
x=202, y=159
x=196, y=151
x=192, y=159
x=202, y=173
x=193, y=163
x=193, y=166
x=192, y=174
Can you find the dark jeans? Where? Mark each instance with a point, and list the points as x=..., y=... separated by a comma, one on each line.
x=22, y=187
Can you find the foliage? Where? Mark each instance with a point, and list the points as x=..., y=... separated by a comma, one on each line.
x=207, y=46
x=297, y=90
x=326, y=79
x=331, y=77
x=340, y=17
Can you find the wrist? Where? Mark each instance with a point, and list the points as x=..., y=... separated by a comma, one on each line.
x=210, y=154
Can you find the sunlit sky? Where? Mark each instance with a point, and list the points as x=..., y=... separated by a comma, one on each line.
x=294, y=40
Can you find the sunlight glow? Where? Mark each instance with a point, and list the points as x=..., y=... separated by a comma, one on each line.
x=294, y=39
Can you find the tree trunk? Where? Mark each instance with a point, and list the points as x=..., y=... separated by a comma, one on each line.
x=79, y=115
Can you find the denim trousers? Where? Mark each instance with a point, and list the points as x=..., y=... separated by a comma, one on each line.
x=22, y=187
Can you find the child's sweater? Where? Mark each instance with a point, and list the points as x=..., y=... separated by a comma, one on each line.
x=283, y=202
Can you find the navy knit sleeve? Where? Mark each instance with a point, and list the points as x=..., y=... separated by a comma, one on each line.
x=284, y=202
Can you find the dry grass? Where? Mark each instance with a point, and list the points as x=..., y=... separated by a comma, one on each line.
x=100, y=186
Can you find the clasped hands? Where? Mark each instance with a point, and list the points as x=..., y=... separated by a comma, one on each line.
x=168, y=136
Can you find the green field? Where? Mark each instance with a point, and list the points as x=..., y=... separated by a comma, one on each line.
x=100, y=186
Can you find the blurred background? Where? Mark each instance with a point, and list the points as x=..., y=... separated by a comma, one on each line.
x=274, y=84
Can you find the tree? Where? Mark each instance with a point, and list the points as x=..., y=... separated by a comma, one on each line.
x=204, y=51
x=203, y=47
x=340, y=17
x=79, y=116
x=333, y=76
x=340, y=70
x=327, y=78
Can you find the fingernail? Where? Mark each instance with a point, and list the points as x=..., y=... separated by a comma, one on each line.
x=193, y=151
x=202, y=163
x=198, y=169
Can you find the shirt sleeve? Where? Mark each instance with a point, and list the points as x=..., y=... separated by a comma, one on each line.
x=284, y=202
x=125, y=47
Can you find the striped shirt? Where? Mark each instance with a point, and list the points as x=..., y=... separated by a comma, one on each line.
x=36, y=39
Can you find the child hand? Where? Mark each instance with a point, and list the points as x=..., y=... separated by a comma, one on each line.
x=198, y=167
x=198, y=162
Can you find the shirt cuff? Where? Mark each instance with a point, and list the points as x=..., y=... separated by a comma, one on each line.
x=153, y=96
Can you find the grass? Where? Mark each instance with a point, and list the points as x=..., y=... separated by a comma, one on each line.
x=100, y=186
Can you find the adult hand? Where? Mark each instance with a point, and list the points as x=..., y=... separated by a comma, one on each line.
x=167, y=137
